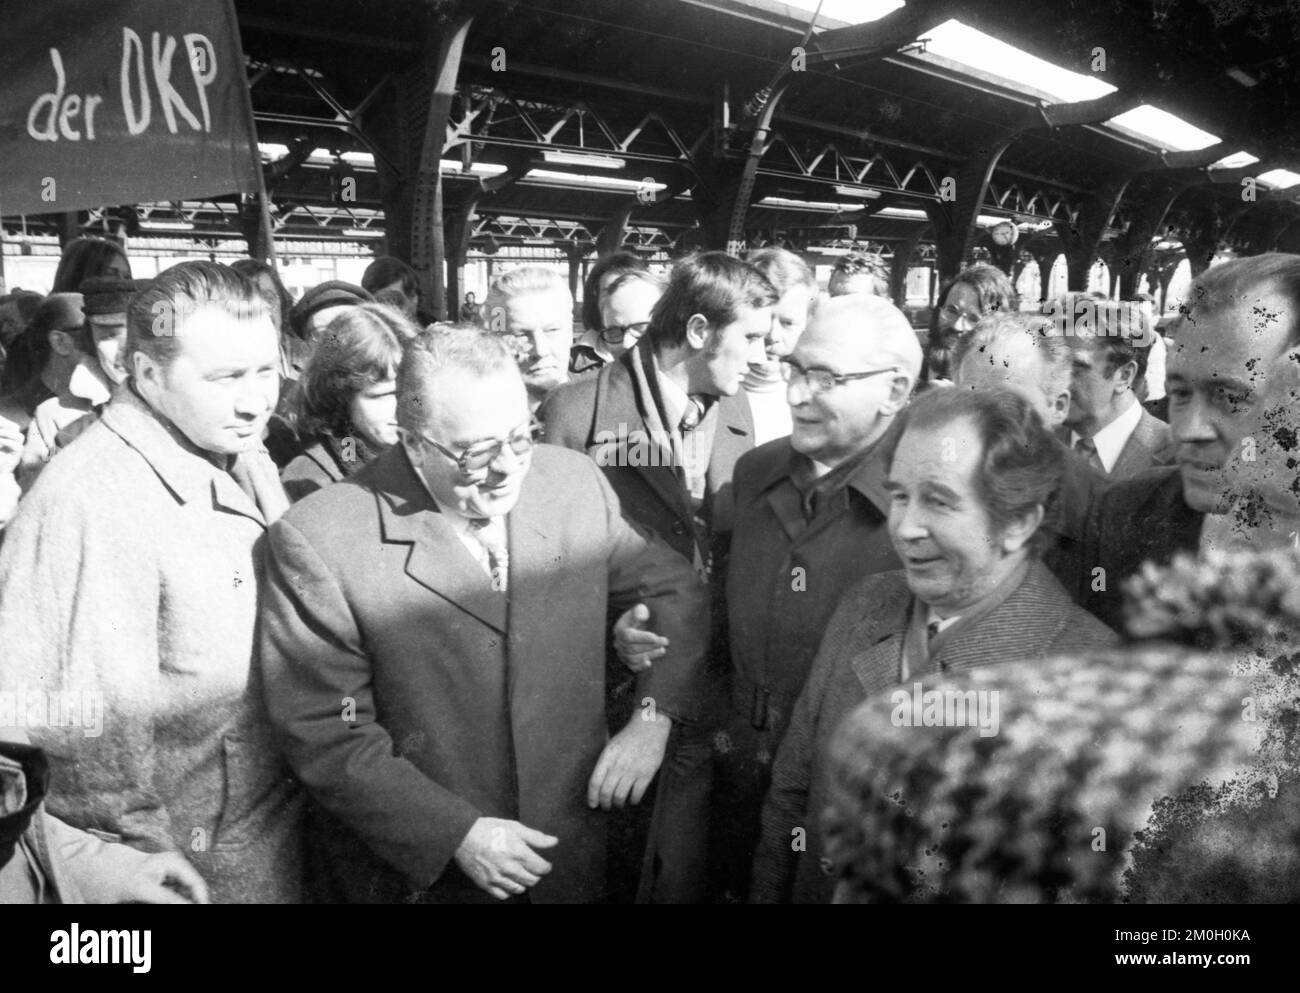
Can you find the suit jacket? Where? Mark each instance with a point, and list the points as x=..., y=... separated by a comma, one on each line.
x=1143, y=519
x=1151, y=444
x=860, y=657
x=785, y=576
x=459, y=701
x=603, y=415
x=1066, y=527
x=132, y=572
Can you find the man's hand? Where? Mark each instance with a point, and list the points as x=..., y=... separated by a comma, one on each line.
x=11, y=446
x=636, y=646
x=629, y=762
x=164, y=878
x=498, y=855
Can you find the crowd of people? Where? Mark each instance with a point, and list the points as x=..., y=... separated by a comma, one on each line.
x=322, y=601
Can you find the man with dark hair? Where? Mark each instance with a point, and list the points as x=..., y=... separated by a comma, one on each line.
x=809, y=522
x=587, y=354
x=452, y=598
x=1239, y=317
x=626, y=304
x=667, y=422
x=1108, y=425
x=130, y=576
x=969, y=482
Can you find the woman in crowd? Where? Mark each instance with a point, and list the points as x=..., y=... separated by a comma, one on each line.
x=973, y=293
x=764, y=385
x=85, y=258
x=349, y=397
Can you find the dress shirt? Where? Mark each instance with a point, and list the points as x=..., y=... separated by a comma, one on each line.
x=1111, y=439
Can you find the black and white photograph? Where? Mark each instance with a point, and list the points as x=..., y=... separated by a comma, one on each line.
x=612, y=452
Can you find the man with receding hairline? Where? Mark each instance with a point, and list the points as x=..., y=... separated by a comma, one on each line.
x=811, y=516
x=1239, y=317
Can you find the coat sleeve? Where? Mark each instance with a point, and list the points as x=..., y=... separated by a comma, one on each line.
x=319, y=695
x=785, y=808
x=644, y=569
x=80, y=598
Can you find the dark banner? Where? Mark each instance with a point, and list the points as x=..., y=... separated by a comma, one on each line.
x=121, y=101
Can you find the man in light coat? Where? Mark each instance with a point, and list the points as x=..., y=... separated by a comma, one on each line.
x=129, y=584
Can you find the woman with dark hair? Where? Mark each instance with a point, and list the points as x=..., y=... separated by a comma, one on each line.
x=590, y=352
x=348, y=401
x=975, y=292
x=84, y=258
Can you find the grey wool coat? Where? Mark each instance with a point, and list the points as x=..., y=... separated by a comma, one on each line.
x=131, y=575
x=861, y=657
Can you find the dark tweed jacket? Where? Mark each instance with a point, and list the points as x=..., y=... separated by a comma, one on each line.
x=860, y=658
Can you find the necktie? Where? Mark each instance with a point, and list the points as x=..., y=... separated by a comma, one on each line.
x=694, y=413
x=931, y=630
x=1088, y=448
x=494, y=544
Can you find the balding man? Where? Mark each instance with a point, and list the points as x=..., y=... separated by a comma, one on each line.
x=810, y=521
x=1028, y=354
x=1240, y=317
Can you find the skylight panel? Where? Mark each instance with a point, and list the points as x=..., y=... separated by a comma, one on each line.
x=1162, y=129
x=953, y=44
x=1235, y=161
x=1279, y=179
x=845, y=11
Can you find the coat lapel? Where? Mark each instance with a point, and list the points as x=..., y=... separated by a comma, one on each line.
x=1021, y=627
x=438, y=559
x=622, y=403
x=878, y=665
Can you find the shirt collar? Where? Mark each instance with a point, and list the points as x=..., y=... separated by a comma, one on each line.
x=674, y=397
x=1111, y=439
x=593, y=341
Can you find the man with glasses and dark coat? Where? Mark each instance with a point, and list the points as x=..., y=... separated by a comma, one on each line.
x=433, y=644
x=625, y=306
x=810, y=521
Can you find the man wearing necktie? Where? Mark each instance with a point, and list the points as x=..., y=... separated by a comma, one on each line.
x=1108, y=425
x=667, y=422
x=434, y=649
x=969, y=481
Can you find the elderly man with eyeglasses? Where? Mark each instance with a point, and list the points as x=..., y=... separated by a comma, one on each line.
x=810, y=521
x=434, y=649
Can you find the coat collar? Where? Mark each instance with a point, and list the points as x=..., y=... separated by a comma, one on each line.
x=438, y=560
x=191, y=476
x=1021, y=626
x=868, y=478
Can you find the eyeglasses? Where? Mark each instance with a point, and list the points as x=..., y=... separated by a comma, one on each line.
x=613, y=334
x=955, y=314
x=821, y=380
x=477, y=457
